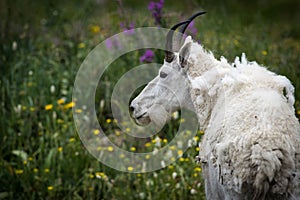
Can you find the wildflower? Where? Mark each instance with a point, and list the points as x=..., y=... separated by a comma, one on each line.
x=148, y=144
x=112, y=43
x=197, y=169
x=30, y=158
x=182, y=120
x=147, y=156
x=95, y=29
x=61, y=101
x=72, y=139
x=181, y=159
x=46, y=170
x=110, y=148
x=195, y=174
x=81, y=45
x=133, y=149
x=193, y=191
x=50, y=188
x=108, y=121
x=35, y=170
x=96, y=131
x=197, y=149
x=59, y=149
x=52, y=88
x=130, y=168
x=128, y=30
x=173, y=147
x=101, y=175
x=165, y=141
x=14, y=45
x=25, y=162
x=179, y=152
x=264, y=53
x=32, y=109
x=147, y=56
x=49, y=107
x=91, y=176
x=19, y=171
x=118, y=133
x=173, y=159
x=171, y=167
x=192, y=29
x=127, y=129
x=174, y=175
x=78, y=110
x=156, y=9
x=122, y=156
x=69, y=105
x=60, y=121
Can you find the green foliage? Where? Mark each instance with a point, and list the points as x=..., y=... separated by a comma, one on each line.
x=43, y=44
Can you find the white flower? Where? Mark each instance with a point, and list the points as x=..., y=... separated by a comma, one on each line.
x=174, y=175
x=52, y=88
x=193, y=191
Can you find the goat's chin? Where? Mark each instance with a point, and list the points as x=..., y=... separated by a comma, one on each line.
x=143, y=121
x=158, y=115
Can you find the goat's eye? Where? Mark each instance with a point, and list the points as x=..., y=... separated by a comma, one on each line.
x=163, y=75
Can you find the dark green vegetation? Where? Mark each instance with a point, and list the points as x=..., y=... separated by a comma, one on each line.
x=42, y=44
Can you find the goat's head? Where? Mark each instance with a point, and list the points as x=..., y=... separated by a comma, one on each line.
x=169, y=90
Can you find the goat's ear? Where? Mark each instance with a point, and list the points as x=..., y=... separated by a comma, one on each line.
x=184, y=54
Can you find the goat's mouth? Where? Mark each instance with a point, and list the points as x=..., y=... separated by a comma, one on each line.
x=143, y=119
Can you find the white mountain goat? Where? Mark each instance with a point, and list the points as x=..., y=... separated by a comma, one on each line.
x=251, y=146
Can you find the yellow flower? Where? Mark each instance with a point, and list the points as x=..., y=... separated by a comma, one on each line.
x=60, y=101
x=24, y=108
x=182, y=120
x=95, y=29
x=35, y=170
x=197, y=169
x=72, y=139
x=127, y=129
x=165, y=140
x=171, y=167
x=81, y=45
x=48, y=107
x=132, y=149
x=130, y=168
x=46, y=170
x=147, y=156
x=101, y=175
x=181, y=159
x=173, y=147
x=148, y=144
x=96, y=131
x=173, y=159
x=264, y=53
x=30, y=159
x=179, y=152
x=108, y=121
x=59, y=149
x=91, y=176
x=25, y=162
x=50, y=188
x=32, y=109
x=195, y=174
x=69, y=105
x=197, y=149
x=19, y=171
x=122, y=156
x=196, y=138
x=110, y=148
x=78, y=111
x=200, y=132
x=118, y=133
x=60, y=121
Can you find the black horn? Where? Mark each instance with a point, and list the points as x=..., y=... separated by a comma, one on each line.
x=169, y=55
x=182, y=30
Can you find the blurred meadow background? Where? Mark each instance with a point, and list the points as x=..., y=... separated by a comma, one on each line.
x=42, y=45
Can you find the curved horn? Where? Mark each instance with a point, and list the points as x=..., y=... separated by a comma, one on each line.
x=169, y=55
x=182, y=30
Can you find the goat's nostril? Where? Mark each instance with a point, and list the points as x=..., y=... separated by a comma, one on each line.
x=131, y=108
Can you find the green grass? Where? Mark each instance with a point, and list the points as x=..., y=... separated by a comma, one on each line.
x=43, y=46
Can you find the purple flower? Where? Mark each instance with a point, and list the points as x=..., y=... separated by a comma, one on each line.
x=156, y=10
x=147, y=57
x=128, y=30
x=112, y=43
